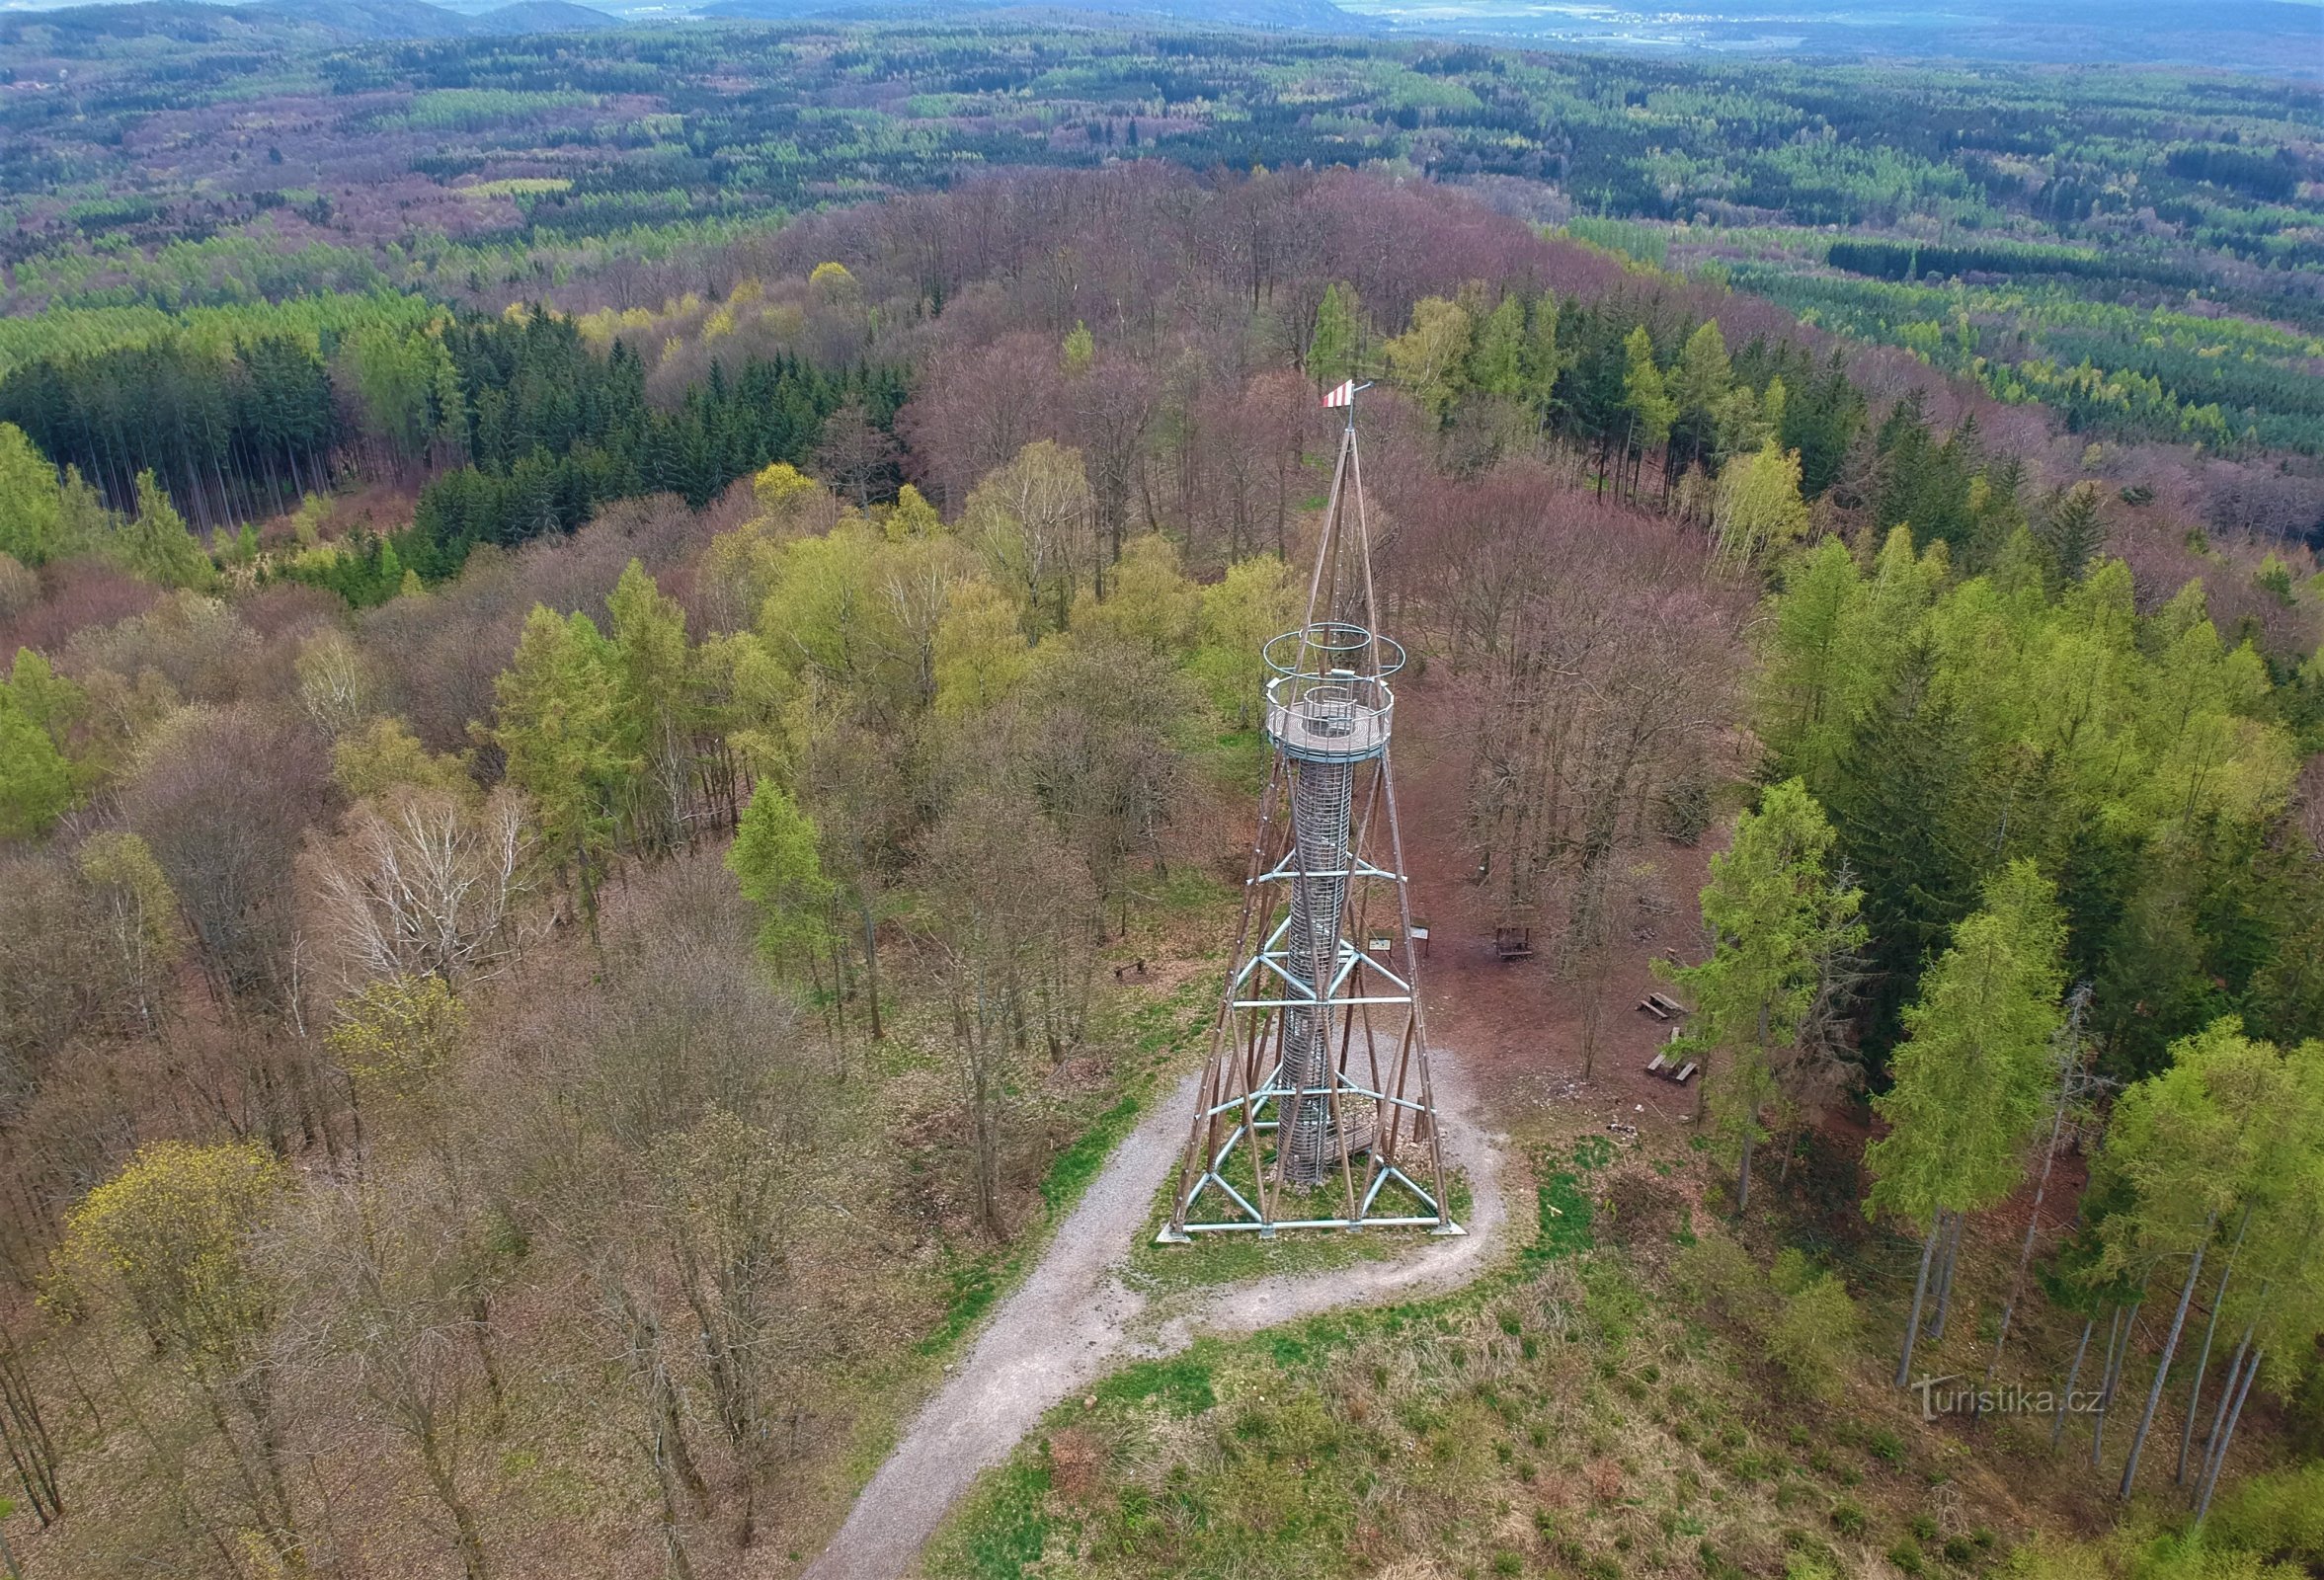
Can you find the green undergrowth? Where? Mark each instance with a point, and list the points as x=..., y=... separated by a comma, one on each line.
x=1270, y=1454
x=1576, y=1413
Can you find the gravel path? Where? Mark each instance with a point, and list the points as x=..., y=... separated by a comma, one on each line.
x=1071, y=1320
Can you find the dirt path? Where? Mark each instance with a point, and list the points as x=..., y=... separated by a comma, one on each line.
x=1071, y=1320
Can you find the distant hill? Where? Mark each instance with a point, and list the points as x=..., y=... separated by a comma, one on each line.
x=541, y=16
x=85, y=27
x=367, y=19
x=1304, y=15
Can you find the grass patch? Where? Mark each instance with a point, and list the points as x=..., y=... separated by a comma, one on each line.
x=976, y=1283
x=1009, y=1531
x=1181, y=1385
x=1071, y=1170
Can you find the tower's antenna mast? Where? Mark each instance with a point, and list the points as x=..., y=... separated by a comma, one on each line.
x=1317, y=1109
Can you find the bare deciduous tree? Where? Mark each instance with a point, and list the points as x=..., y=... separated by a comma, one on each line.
x=427, y=883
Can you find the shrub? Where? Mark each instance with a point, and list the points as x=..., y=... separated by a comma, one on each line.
x=1848, y=1518
x=1792, y=1271
x=1715, y=1270
x=1815, y=1334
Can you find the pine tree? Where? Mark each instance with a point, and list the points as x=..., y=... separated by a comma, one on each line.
x=1646, y=400
x=1810, y=667
x=1544, y=358
x=1895, y=800
x=158, y=544
x=2072, y=530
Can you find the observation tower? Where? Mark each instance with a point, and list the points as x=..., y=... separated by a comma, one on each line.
x=1316, y=1109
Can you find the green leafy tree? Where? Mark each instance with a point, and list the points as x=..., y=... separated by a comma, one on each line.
x=138, y=919
x=31, y=503
x=176, y=1235
x=1971, y=1076
x=1150, y=605
x=1428, y=358
x=1774, y=916
x=560, y=729
x=35, y=781
x=1646, y=400
x=2183, y=1146
x=2278, y=1300
x=157, y=544
x=1496, y=364
x=655, y=702
x=1254, y=601
x=776, y=861
x=981, y=651
x=1759, y=506
x=396, y=1036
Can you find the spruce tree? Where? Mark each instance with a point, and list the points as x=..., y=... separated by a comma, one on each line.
x=1895, y=800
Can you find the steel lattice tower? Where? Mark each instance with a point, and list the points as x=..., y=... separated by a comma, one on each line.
x=1316, y=1107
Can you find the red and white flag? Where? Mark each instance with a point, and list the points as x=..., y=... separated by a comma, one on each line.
x=1341, y=394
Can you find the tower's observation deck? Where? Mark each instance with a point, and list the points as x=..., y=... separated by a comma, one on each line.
x=1330, y=699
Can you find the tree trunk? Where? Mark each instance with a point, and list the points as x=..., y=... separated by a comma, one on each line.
x=2203, y=1359
x=2118, y=1355
x=480, y=1334
x=2211, y=1442
x=2210, y=1480
x=2065, y=1399
x=31, y=1452
x=2162, y=1366
x=1945, y=1280
x=871, y=963
x=2017, y=1282
x=1920, y=1290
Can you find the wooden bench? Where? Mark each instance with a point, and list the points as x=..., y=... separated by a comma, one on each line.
x=1677, y=1078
